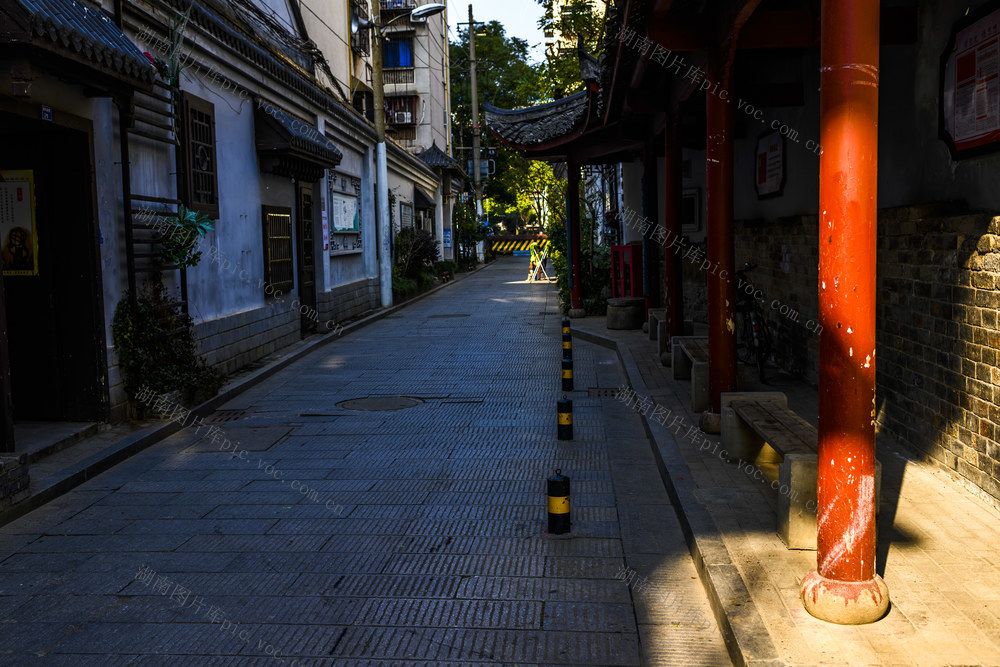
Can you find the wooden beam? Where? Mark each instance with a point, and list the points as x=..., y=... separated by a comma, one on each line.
x=780, y=30
x=776, y=30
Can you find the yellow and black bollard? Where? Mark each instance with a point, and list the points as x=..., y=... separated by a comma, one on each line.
x=565, y=326
x=565, y=407
x=559, y=522
x=567, y=346
x=567, y=374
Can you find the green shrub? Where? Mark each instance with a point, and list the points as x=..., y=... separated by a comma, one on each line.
x=156, y=347
x=181, y=240
x=416, y=249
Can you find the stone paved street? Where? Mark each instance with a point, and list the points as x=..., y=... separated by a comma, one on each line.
x=402, y=532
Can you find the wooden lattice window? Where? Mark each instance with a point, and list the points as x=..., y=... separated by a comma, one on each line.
x=198, y=163
x=279, y=269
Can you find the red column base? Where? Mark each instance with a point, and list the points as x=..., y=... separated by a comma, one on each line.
x=845, y=602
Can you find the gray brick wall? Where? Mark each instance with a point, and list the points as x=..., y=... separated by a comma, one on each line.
x=786, y=253
x=938, y=340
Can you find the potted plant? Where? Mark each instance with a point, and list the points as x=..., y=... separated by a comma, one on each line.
x=180, y=240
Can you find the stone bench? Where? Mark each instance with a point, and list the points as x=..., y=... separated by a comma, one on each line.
x=655, y=315
x=751, y=419
x=689, y=361
x=626, y=312
x=658, y=332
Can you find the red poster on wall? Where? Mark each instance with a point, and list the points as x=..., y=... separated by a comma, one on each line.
x=970, y=96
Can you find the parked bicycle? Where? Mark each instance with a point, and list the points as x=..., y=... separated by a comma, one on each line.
x=753, y=340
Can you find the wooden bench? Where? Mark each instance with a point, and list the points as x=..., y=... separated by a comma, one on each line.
x=751, y=419
x=689, y=360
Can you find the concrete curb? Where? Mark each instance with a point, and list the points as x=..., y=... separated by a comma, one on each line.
x=742, y=628
x=94, y=465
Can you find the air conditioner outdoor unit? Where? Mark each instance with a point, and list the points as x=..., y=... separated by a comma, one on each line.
x=402, y=117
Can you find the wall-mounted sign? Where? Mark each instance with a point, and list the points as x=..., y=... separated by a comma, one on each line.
x=769, y=167
x=970, y=84
x=18, y=231
x=344, y=213
x=447, y=237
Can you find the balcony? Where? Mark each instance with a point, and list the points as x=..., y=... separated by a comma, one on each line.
x=397, y=75
x=392, y=8
x=391, y=5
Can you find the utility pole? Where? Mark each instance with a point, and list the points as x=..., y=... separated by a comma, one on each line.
x=381, y=169
x=476, y=178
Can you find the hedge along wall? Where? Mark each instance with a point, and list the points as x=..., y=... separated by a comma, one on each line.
x=938, y=332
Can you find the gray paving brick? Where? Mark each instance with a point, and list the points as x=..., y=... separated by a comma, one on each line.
x=438, y=555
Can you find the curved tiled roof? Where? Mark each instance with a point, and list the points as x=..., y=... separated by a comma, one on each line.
x=304, y=136
x=437, y=158
x=539, y=124
x=90, y=34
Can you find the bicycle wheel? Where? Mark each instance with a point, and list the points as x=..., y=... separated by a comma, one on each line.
x=745, y=351
x=763, y=350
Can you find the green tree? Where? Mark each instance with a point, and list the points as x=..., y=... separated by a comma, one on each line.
x=506, y=80
x=559, y=74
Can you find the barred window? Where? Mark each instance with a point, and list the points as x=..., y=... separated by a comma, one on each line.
x=198, y=163
x=279, y=271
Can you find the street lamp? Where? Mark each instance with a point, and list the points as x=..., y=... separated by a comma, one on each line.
x=381, y=169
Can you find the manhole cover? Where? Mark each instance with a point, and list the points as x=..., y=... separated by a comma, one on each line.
x=380, y=403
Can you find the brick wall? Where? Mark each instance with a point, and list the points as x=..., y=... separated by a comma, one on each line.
x=786, y=254
x=15, y=484
x=938, y=341
x=346, y=302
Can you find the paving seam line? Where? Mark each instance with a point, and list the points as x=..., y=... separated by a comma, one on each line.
x=94, y=465
x=747, y=638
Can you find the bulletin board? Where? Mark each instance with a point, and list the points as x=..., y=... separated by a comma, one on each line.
x=970, y=84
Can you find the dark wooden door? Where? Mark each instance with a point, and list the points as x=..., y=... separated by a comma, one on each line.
x=55, y=319
x=307, y=259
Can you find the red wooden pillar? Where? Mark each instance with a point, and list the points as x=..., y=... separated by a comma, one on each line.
x=721, y=255
x=576, y=281
x=844, y=587
x=672, y=276
x=650, y=211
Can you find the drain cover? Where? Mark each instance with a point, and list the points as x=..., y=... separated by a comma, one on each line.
x=602, y=392
x=380, y=403
x=431, y=317
x=222, y=416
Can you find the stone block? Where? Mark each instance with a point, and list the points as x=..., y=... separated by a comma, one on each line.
x=797, y=501
x=700, y=396
x=625, y=313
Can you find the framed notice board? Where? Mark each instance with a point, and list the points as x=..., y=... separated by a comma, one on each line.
x=970, y=84
x=18, y=230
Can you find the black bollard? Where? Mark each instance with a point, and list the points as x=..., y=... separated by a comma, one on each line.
x=565, y=408
x=567, y=375
x=567, y=346
x=565, y=326
x=559, y=522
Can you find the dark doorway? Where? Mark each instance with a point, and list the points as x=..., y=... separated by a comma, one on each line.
x=307, y=259
x=55, y=319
